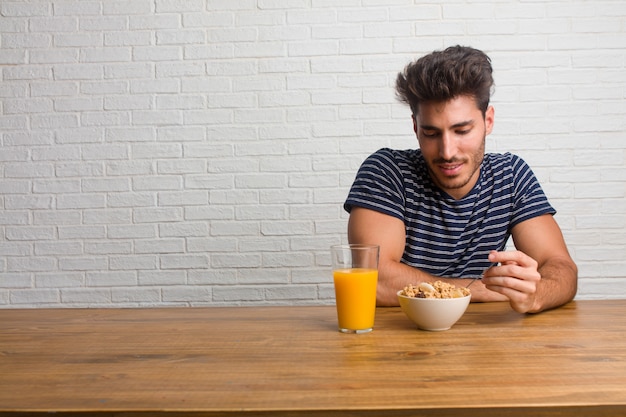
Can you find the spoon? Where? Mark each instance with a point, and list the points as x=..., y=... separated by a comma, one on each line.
x=474, y=279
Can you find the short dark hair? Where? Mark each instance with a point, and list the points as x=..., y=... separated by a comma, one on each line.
x=444, y=75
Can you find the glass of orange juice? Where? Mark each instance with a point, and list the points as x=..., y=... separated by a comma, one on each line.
x=355, y=275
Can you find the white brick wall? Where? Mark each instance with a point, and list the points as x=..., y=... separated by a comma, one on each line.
x=197, y=152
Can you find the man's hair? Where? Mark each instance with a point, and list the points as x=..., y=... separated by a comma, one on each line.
x=444, y=75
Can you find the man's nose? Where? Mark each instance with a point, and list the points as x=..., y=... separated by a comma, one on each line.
x=447, y=147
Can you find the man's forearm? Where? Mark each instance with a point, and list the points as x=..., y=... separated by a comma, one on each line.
x=394, y=276
x=558, y=285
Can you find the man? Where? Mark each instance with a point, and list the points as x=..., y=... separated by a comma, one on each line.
x=446, y=210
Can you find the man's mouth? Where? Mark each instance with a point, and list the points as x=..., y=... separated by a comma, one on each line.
x=450, y=169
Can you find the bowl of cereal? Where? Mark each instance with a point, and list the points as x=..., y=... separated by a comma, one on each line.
x=434, y=306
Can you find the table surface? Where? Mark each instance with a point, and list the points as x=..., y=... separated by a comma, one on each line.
x=290, y=361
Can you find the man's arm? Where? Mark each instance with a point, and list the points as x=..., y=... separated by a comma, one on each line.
x=371, y=227
x=538, y=276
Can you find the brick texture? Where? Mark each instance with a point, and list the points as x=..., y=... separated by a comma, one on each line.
x=172, y=152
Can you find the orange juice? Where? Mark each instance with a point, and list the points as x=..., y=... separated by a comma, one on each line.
x=355, y=294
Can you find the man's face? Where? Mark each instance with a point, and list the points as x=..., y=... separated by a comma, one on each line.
x=452, y=136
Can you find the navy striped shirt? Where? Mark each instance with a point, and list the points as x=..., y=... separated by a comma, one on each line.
x=444, y=236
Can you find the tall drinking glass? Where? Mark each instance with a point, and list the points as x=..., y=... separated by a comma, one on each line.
x=355, y=275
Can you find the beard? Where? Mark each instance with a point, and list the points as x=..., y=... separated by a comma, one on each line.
x=466, y=178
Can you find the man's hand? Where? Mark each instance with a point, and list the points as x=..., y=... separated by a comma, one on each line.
x=516, y=276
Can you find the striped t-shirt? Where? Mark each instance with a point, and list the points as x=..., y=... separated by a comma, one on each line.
x=444, y=236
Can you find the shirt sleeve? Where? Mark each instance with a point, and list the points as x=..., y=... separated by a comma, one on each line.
x=378, y=186
x=530, y=201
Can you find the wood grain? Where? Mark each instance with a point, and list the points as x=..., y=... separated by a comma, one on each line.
x=290, y=361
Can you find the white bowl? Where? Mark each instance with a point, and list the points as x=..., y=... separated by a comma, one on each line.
x=434, y=314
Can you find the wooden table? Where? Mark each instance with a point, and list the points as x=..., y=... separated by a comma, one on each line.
x=288, y=361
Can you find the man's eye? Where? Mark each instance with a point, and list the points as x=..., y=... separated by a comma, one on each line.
x=463, y=132
x=429, y=133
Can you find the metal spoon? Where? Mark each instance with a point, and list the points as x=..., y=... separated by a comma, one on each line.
x=473, y=280
x=480, y=277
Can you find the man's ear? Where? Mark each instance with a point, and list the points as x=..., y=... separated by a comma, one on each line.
x=414, y=118
x=489, y=119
